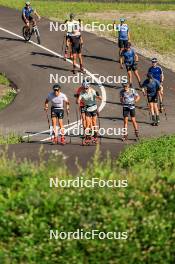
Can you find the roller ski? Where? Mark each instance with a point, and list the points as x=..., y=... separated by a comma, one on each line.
x=94, y=140
x=86, y=141
x=137, y=135
x=125, y=138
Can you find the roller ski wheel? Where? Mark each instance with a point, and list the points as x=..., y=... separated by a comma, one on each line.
x=86, y=142
x=95, y=140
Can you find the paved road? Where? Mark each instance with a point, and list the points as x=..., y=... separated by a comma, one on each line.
x=29, y=67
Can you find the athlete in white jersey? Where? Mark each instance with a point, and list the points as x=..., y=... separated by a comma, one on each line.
x=57, y=100
x=73, y=28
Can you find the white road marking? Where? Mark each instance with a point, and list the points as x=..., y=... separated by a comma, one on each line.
x=103, y=91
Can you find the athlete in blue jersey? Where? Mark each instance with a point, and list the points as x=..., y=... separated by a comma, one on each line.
x=130, y=61
x=123, y=35
x=151, y=89
x=157, y=73
x=27, y=17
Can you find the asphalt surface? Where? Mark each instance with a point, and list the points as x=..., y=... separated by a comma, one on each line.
x=29, y=67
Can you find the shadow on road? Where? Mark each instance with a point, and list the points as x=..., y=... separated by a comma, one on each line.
x=50, y=67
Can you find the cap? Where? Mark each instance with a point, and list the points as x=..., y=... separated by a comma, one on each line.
x=27, y=3
x=56, y=87
x=122, y=19
x=154, y=60
x=86, y=84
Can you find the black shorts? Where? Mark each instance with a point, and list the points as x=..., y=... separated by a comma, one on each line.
x=58, y=113
x=91, y=114
x=127, y=111
x=152, y=99
x=76, y=44
x=122, y=43
x=82, y=109
x=132, y=67
x=30, y=18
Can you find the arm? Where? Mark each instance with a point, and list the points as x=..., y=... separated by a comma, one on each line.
x=67, y=105
x=137, y=98
x=46, y=105
x=38, y=16
x=98, y=96
x=136, y=58
x=144, y=91
x=129, y=36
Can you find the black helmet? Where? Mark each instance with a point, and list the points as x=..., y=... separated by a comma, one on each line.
x=56, y=87
x=72, y=16
x=128, y=45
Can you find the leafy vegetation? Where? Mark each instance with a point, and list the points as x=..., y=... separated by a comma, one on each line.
x=9, y=93
x=10, y=139
x=29, y=208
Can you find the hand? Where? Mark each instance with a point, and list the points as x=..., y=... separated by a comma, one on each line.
x=39, y=18
x=46, y=108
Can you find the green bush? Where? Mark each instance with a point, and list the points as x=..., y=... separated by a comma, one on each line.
x=29, y=208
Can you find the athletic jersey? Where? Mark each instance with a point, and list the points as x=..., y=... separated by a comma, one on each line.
x=122, y=31
x=152, y=87
x=89, y=97
x=73, y=28
x=129, y=56
x=27, y=11
x=78, y=92
x=156, y=72
x=128, y=97
x=57, y=101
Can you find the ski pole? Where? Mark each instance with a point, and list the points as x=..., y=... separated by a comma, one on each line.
x=99, y=123
x=48, y=121
x=68, y=125
x=62, y=46
x=164, y=109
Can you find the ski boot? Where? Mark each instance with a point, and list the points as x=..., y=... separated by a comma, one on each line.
x=86, y=141
x=54, y=140
x=154, y=123
x=125, y=138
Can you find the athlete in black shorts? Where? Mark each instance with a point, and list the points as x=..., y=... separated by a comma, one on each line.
x=151, y=89
x=128, y=98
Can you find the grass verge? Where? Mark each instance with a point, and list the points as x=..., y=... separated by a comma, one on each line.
x=10, y=139
x=29, y=209
x=61, y=9
x=9, y=94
